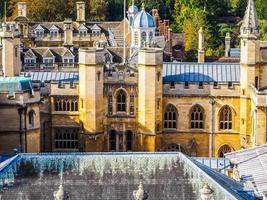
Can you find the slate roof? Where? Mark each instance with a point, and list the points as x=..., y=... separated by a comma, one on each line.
x=52, y=76
x=252, y=166
x=57, y=52
x=201, y=72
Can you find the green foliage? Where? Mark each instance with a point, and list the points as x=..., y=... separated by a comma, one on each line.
x=263, y=25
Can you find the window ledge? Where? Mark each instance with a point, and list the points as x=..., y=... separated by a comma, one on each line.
x=121, y=116
x=65, y=112
x=197, y=130
x=170, y=130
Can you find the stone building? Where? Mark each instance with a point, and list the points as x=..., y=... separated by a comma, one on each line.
x=109, y=98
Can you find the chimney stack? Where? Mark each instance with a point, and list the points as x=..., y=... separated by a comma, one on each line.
x=68, y=32
x=201, y=46
x=227, y=44
x=80, y=11
x=22, y=9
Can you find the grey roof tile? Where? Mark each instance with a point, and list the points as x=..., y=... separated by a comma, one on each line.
x=201, y=72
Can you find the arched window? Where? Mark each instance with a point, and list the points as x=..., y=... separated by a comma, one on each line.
x=112, y=140
x=136, y=38
x=175, y=147
x=223, y=150
x=67, y=138
x=226, y=118
x=143, y=38
x=121, y=101
x=129, y=141
x=170, y=117
x=197, y=117
x=31, y=118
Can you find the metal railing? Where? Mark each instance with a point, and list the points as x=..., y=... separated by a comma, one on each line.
x=50, y=67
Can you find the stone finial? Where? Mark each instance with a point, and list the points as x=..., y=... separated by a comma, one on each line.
x=60, y=193
x=206, y=192
x=140, y=194
x=201, y=47
x=227, y=44
x=236, y=174
x=143, y=6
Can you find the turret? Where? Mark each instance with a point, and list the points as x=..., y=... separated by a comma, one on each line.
x=10, y=51
x=91, y=83
x=249, y=34
x=150, y=95
x=201, y=46
x=249, y=68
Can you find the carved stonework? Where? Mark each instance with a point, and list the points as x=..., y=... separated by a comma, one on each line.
x=60, y=194
x=140, y=194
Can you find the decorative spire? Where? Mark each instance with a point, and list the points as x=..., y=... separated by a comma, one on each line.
x=250, y=26
x=143, y=6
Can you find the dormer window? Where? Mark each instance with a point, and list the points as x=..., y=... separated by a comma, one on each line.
x=54, y=31
x=83, y=30
x=48, y=62
x=53, y=34
x=68, y=61
x=96, y=31
x=30, y=61
x=39, y=31
x=82, y=33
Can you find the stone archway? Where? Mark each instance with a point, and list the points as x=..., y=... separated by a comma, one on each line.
x=120, y=141
x=223, y=150
x=175, y=147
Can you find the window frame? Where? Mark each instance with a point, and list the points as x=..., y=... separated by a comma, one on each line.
x=226, y=122
x=196, y=123
x=121, y=104
x=170, y=121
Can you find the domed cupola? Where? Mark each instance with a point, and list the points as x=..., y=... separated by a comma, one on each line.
x=144, y=20
x=143, y=29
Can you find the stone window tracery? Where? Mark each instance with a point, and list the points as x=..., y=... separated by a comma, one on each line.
x=136, y=38
x=121, y=101
x=170, y=117
x=197, y=117
x=110, y=104
x=226, y=118
x=67, y=138
x=66, y=104
x=143, y=38
x=132, y=105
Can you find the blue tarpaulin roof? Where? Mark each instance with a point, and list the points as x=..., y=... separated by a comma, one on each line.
x=13, y=84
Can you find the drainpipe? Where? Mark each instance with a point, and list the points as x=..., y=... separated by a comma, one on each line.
x=20, y=128
x=25, y=126
x=211, y=135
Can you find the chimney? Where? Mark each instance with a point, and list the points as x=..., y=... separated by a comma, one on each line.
x=227, y=44
x=201, y=48
x=22, y=9
x=80, y=11
x=68, y=32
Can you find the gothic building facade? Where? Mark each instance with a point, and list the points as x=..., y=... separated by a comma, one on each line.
x=98, y=96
